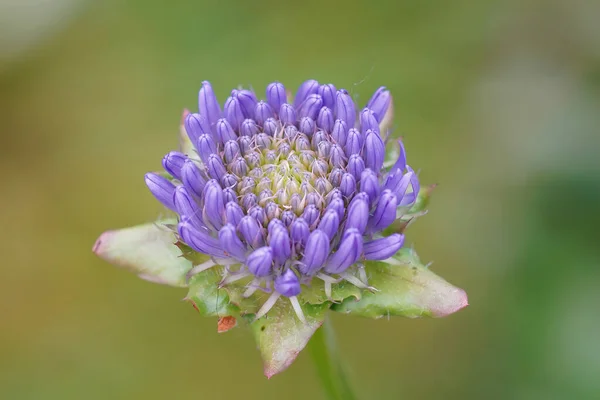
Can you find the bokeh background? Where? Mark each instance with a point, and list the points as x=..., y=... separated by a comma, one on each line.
x=498, y=102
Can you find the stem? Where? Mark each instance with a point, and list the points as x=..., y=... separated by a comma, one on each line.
x=324, y=351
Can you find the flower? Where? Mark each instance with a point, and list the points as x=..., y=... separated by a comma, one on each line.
x=290, y=197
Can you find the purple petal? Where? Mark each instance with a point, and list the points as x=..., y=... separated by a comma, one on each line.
x=400, y=164
x=358, y=212
x=383, y=248
x=348, y=252
x=279, y=241
x=307, y=88
x=233, y=213
x=247, y=101
x=327, y=92
x=195, y=125
x=348, y=185
x=271, y=126
x=311, y=214
x=337, y=204
x=311, y=106
x=231, y=151
x=374, y=151
x=173, y=162
x=206, y=146
x=199, y=240
x=287, y=217
x=339, y=132
x=354, y=142
x=299, y=231
x=287, y=284
x=369, y=183
x=345, y=108
x=356, y=165
x=307, y=126
x=251, y=231
x=260, y=261
x=249, y=128
x=192, y=178
x=336, y=156
x=262, y=111
x=385, y=212
x=215, y=167
x=380, y=102
x=276, y=95
x=162, y=189
x=287, y=114
x=368, y=121
x=214, y=206
x=330, y=223
x=225, y=131
x=208, y=104
x=233, y=113
x=231, y=243
x=315, y=252
x=409, y=198
x=325, y=119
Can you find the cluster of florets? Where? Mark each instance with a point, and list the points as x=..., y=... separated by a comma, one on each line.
x=287, y=191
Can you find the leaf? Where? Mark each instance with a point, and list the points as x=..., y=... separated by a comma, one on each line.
x=315, y=293
x=407, y=288
x=207, y=298
x=280, y=335
x=147, y=250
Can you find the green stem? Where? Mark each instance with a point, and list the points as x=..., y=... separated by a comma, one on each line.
x=324, y=351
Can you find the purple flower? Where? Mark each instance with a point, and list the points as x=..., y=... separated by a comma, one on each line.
x=287, y=192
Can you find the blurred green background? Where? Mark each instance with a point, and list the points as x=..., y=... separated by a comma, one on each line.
x=498, y=101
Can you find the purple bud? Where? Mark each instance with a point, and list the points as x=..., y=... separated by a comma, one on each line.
x=380, y=102
x=263, y=141
x=369, y=183
x=231, y=151
x=262, y=111
x=327, y=92
x=374, y=152
x=337, y=157
x=173, y=162
x=358, y=212
x=258, y=213
x=249, y=128
x=290, y=132
x=410, y=198
x=314, y=199
x=335, y=176
x=274, y=224
x=299, y=231
x=208, y=104
x=251, y=231
x=228, y=181
x=336, y=204
x=322, y=185
x=287, y=217
x=319, y=167
x=272, y=210
x=259, y=262
x=383, y=248
x=318, y=137
x=284, y=149
x=225, y=131
x=192, y=178
x=311, y=214
x=287, y=114
x=400, y=164
x=233, y=213
x=368, y=121
x=199, y=240
x=233, y=113
x=325, y=119
x=215, y=167
x=296, y=203
x=345, y=108
x=307, y=158
x=306, y=89
x=330, y=223
x=356, y=165
x=348, y=252
x=247, y=101
x=315, y=252
x=206, y=146
x=354, y=142
x=301, y=142
x=239, y=167
x=348, y=185
x=307, y=126
x=162, y=189
x=246, y=185
x=398, y=183
x=311, y=106
x=229, y=195
x=214, y=206
x=271, y=126
x=231, y=243
x=195, y=125
x=339, y=132
x=249, y=200
x=276, y=95
x=385, y=212
x=279, y=241
x=287, y=284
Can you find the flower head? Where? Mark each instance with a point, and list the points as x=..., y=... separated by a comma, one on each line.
x=287, y=192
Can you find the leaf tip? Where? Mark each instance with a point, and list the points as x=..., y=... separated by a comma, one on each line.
x=454, y=301
x=98, y=248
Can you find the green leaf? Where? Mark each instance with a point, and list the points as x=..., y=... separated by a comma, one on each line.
x=407, y=288
x=207, y=298
x=280, y=335
x=315, y=293
x=147, y=250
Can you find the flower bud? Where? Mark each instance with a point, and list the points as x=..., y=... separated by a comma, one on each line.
x=368, y=121
x=195, y=125
x=374, y=153
x=336, y=204
x=369, y=183
x=276, y=95
x=315, y=252
x=307, y=126
x=287, y=217
x=214, y=206
x=199, y=240
x=233, y=213
x=287, y=114
x=231, y=151
x=249, y=128
x=345, y=108
x=233, y=113
x=307, y=88
x=173, y=162
x=327, y=93
x=336, y=156
x=279, y=241
x=225, y=131
x=231, y=243
x=251, y=231
x=348, y=252
x=380, y=103
x=162, y=189
x=348, y=185
x=299, y=231
x=356, y=165
x=247, y=101
x=330, y=223
x=311, y=214
x=325, y=119
x=215, y=167
x=339, y=132
x=208, y=104
x=287, y=284
x=354, y=142
x=262, y=112
x=358, y=212
x=260, y=261
x=229, y=181
x=385, y=212
x=192, y=178
x=383, y=248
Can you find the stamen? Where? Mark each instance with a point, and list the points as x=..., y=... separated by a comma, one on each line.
x=233, y=278
x=298, y=309
x=268, y=305
x=357, y=282
x=252, y=288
